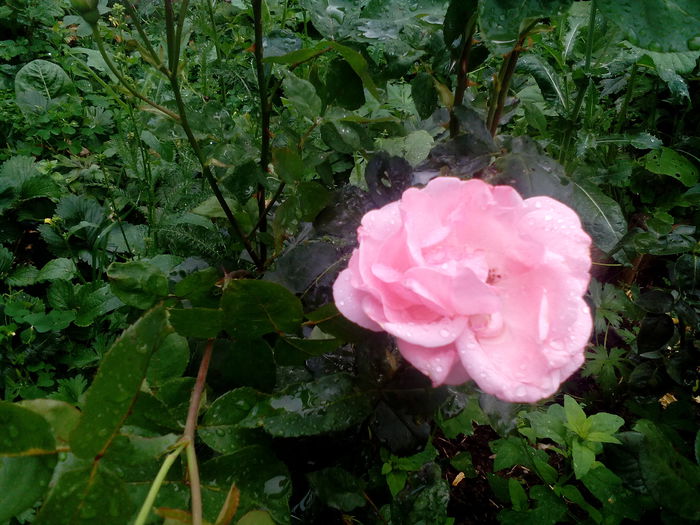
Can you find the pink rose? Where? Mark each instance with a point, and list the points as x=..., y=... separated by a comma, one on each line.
x=475, y=283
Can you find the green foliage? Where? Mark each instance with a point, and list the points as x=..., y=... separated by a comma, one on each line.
x=149, y=189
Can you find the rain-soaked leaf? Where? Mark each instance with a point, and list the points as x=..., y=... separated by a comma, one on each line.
x=329, y=404
x=117, y=383
x=680, y=30
x=86, y=496
x=501, y=21
x=26, y=458
x=254, y=308
x=62, y=416
x=219, y=428
x=138, y=283
x=263, y=480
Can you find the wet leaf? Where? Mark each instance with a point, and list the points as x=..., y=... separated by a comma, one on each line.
x=117, y=383
x=26, y=458
x=680, y=30
x=219, y=429
x=138, y=283
x=329, y=404
x=254, y=308
x=86, y=496
x=263, y=480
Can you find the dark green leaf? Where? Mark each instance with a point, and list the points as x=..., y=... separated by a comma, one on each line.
x=262, y=479
x=45, y=78
x=549, y=510
x=196, y=322
x=457, y=17
x=359, y=65
x=666, y=161
x=26, y=458
x=288, y=165
x=547, y=79
x=501, y=21
x=672, y=479
x=169, y=360
x=680, y=30
x=424, y=94
x=686, y=272
x=250, y=362
x=424, y=499
x=343, y=87
x=254, y=308
x=338, y=489
x=219, y=428
x=86, y=496
x=655, y=301
x=62, y=416
x=329, y=404
x=312, y=198
x=117, y=384
x=291, y=351
x=656, y=330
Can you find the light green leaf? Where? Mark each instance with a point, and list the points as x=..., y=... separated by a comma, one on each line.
x=301, y=95
x=55, y=269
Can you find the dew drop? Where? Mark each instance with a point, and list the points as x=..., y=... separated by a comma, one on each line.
x=547, y=217
x=444, y=333
x=341, y=303
x=520, y=392
x=538, y=204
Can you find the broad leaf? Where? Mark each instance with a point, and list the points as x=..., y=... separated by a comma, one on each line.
x=329, y=404
x=254, y=308
x=680, y=30
x=117, y=383
x=26, y=458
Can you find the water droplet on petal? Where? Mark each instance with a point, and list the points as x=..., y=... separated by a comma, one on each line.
x=444, y=333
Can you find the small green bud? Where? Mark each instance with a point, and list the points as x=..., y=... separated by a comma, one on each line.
x=87, y=9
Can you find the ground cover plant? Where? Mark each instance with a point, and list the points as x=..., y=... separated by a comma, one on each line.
x=181, y=186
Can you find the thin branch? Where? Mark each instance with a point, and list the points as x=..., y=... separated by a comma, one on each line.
x=194, y=143
x=265, y=110
x=100, y=46
x=189, y=434
x=462, y=74
x=144, y=37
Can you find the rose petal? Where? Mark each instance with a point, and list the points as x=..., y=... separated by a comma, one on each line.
x=382, y=223
x=463, y=294
x=437, y=363
x=348, y=299
x=433, y=334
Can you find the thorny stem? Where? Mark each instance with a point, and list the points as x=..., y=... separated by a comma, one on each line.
x=124, y=82
x=188, y=436
x=462, y=73
x=264, y=119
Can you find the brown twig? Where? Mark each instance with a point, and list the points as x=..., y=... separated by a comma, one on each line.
x=189, y=434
